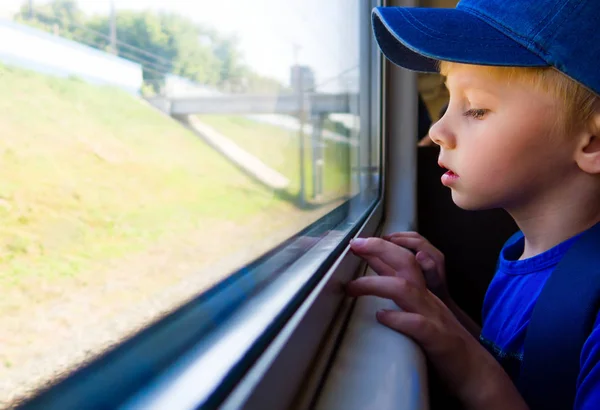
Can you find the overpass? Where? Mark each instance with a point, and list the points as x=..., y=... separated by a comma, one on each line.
x=307, y=104
x=309, y=108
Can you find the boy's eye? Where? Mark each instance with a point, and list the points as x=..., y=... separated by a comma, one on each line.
x=476, y=113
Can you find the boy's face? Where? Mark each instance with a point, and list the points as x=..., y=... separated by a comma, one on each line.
x=502, y=142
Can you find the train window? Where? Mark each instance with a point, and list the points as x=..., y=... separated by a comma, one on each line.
x=177, y=175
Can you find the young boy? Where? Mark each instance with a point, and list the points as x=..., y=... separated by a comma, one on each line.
x=521, y=132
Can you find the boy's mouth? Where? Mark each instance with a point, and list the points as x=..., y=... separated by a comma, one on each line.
x=449, y=177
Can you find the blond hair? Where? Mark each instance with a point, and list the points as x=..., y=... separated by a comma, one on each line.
x=579, y=102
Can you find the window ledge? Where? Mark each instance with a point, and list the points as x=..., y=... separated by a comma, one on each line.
x=375, y=367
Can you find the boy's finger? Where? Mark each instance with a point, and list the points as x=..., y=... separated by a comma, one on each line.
x=425, y=261
x=410, y=324
x=429, y=268
x=416, y=244
x=406, y=295
x=380, y=267
x=407, y=234
x=383, y=269
x=396, y=257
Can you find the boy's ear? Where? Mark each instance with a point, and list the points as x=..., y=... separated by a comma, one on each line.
x=588, y=152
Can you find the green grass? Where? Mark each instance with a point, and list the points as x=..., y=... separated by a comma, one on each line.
x=279, y=148
x=91, y=173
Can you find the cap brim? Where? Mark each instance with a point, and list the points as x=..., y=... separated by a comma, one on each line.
x=415, y=38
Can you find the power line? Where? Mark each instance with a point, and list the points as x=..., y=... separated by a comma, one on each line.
x=331, y=79
x=107, y=37
x=158, y=68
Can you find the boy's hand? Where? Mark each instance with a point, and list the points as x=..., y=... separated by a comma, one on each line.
x=424, y=317
x=466, y=367
x=430, y=259
x=429, y=322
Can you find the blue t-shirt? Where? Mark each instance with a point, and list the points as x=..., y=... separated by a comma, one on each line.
x=507, y=309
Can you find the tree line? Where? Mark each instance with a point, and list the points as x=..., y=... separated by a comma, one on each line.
x=170, y=43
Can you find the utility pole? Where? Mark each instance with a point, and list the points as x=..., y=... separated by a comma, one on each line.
x=113, y=28
x=302, y=117
x=30, y=10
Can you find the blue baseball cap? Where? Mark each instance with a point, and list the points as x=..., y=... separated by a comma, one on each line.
x=521, y=33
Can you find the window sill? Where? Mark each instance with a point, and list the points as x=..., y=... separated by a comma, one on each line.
x=375, y=367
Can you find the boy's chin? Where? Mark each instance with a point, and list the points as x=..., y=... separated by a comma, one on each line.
x=471, y=203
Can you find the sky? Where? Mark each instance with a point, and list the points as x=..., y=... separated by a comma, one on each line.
x=325, y=31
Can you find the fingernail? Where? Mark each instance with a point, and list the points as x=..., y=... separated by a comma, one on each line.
x=358, y=242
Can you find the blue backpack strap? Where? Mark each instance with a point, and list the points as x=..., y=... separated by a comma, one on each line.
x=562, y=320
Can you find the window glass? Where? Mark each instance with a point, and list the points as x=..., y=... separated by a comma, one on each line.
x=151, y=148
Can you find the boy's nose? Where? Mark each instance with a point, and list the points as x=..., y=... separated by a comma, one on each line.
x=441, y=134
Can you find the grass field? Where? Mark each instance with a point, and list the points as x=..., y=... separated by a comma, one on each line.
x=112, y=214
x=91, y=173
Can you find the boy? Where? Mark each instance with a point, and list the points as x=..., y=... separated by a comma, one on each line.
x=521, y=132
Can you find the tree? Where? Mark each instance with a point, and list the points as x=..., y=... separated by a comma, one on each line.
x=233, y=71
x=192, y=59
x=161, y=42
x=60, y=17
